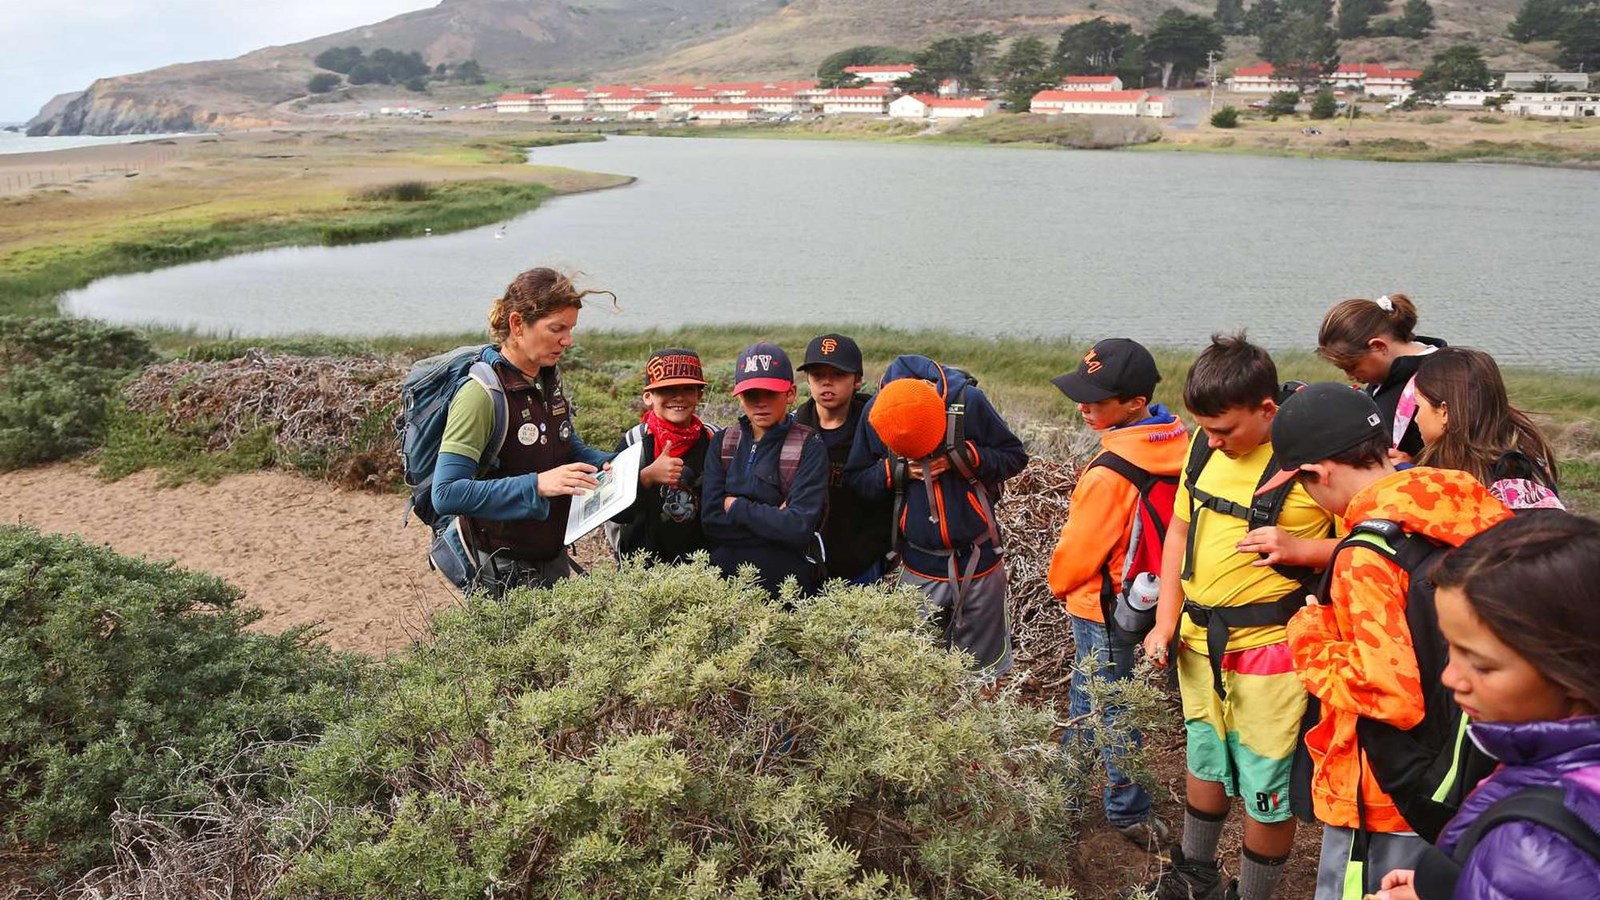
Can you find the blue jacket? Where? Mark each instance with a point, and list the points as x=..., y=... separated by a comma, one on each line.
x=763, y=515
x=992, y=449
x=1520, y=860
x=499, y=496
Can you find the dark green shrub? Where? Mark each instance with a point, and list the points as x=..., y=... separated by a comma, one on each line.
x=56, y=376
x=132, y=683
x=1323, y=105
x=399, y=192
x=323, y=82
x=666, y=732
x=1226, y=117
x=1282, y=103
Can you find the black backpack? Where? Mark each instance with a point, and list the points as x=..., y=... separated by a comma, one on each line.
x=1430, y=768
x=1438, y=873
x=1263, y=511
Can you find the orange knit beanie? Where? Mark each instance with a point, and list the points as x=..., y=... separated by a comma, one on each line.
x=909, y=418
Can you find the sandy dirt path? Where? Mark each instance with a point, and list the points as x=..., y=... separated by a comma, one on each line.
x=301, y=550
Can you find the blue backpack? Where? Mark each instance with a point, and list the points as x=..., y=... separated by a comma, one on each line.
x=425, y=405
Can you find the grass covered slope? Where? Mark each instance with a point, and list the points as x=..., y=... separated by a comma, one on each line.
x=233, y=195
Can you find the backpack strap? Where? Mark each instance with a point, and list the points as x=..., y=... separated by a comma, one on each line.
x=634, y=435
x=484, y=374
x=794, y=445
x=1544, y=806
x=1199, y=454
x=1141, y=479
x=728, y=446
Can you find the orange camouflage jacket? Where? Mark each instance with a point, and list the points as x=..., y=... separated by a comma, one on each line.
x=1355, y=653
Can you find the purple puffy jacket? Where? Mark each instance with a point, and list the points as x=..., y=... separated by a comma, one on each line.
x=1521, y=860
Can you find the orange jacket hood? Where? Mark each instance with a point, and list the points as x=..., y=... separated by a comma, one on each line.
x=1446, y=505
x=1100, y=518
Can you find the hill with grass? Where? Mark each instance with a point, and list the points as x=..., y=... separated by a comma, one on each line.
x=525, y=43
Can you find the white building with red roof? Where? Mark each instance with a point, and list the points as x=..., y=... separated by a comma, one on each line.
x=888, y=74
x=1091, y=83
x=568, y=101
x=872, y=101
x=1098, y=103
x=686, y=100
x=1371, y=78
x=910, y=106
x=772, y=99
x=1260, y=78
x=621, y=101
x=518, y=103
x=723, y=112
x=647, y=112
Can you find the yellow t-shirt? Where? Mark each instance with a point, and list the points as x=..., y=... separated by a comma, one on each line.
x=1222, y=575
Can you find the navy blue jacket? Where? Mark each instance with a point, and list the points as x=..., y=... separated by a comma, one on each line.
x=763, y=516
x=992, y=449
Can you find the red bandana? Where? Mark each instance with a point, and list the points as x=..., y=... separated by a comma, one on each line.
x=682, y=437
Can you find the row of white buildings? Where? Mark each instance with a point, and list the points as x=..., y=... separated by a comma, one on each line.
x=734, y=101
x=1549, y=106
x=1101, y=102
x=1370, y=78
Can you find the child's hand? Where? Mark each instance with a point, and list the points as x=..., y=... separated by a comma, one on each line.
x=664, y=469
x=727, y=503
x=1156, y=645
x=1400, y=457
x=939, y=466
x=1399, y=884
x=1275, y=545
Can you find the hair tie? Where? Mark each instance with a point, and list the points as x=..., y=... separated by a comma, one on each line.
x=1384, y=303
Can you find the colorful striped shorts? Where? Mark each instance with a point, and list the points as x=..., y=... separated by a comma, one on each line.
x=1245, y=743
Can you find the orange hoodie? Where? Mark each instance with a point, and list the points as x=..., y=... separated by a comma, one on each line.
x=1100, y=518
x=1355, y=653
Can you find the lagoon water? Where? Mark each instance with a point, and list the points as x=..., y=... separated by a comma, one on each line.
x=1165, y=247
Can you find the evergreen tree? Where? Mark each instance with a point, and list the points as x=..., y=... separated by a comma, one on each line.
x=1092, y=47
x=1229, y=16
x=1024, y=70
x=1579, y=41
x=1416, y=20
x=1181, y=42
x=1355, y=18
x=1323, y=105
x=1541, y=20
x=1458, y=68
x=1302, y=48
x=1262, y=15
x=338, y=59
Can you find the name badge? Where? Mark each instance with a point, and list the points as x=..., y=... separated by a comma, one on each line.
x=528, y=434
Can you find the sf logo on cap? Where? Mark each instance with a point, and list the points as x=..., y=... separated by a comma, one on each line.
x=1090, y=364
x=828, y=346
x=656, y=369
x=761, y=362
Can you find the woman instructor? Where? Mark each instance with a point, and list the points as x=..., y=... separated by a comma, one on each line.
x=514, y=511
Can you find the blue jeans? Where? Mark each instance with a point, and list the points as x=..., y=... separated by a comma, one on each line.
x=1126, y=802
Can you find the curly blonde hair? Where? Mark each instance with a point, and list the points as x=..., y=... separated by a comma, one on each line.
x=535, y=294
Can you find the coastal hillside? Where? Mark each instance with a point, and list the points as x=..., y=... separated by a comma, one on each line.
x=527, y=42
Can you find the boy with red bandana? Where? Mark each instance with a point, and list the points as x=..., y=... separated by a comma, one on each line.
x=665, y=519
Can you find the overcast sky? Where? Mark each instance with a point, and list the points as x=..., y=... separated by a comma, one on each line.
x=48, y=47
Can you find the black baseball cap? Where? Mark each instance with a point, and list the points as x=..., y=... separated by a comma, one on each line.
x=833, y=350
x=1318, y=421
x=1114, y=367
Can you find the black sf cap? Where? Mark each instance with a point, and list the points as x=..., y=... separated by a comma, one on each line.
x=1114, y=367
x=1318, y=421
x=833, y=350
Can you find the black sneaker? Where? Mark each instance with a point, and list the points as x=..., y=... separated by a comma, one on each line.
x=1181, y=879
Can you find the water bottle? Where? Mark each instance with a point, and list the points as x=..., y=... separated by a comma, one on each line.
x=1135, y=612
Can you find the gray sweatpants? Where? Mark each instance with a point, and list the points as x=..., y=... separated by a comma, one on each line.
x=984, y=625
x=1385, y=852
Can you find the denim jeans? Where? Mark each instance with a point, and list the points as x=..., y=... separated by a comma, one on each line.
x=1126, y=802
